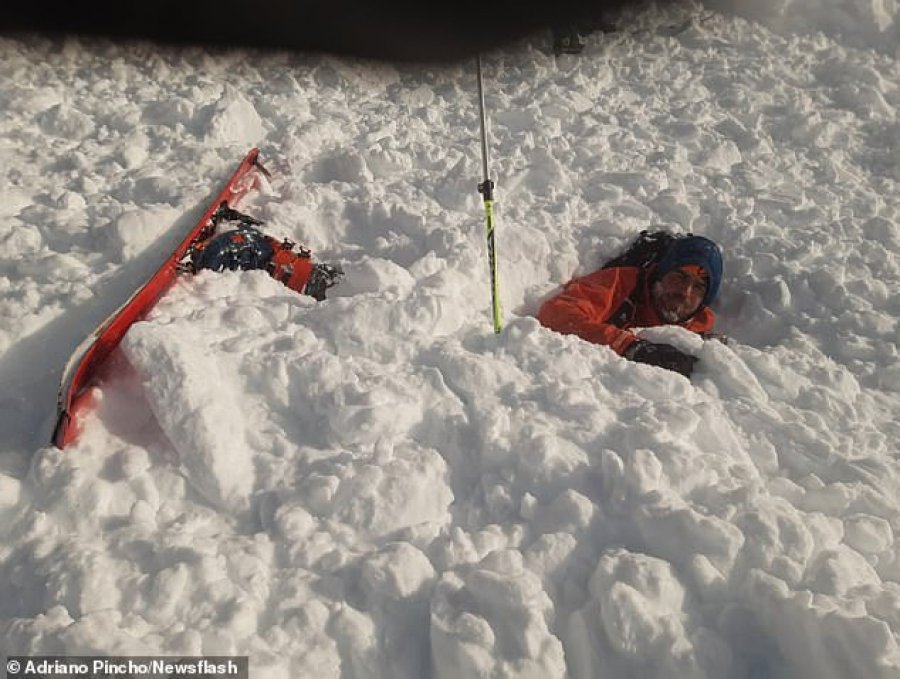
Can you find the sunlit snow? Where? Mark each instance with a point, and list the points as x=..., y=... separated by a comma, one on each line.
x=378, y=485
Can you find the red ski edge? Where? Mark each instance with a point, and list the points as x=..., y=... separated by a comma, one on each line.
x=75, y=398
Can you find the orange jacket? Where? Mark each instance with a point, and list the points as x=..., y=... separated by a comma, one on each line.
x=585, y=306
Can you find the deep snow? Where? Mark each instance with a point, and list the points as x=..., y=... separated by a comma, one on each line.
x=377, y=485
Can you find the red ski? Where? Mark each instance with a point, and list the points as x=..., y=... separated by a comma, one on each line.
x=74, y=399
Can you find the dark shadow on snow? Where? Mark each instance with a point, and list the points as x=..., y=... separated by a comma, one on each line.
x=31, y=369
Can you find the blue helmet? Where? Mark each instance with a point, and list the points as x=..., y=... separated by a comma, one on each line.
x=694, y=250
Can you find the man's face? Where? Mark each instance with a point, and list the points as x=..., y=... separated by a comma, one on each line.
x=679, y=294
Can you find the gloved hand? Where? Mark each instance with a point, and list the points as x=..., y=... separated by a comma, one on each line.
x=662, y=355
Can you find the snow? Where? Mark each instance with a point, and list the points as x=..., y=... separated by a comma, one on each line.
x=378, y=485
x=871, y=24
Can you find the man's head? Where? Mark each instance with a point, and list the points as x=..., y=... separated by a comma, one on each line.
x=686, y=278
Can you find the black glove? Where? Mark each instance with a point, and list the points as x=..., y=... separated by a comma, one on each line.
x=662, y=355
x=724, y=339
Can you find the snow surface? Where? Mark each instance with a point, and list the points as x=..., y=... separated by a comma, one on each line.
x=379, y=486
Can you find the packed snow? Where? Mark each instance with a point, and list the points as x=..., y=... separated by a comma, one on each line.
x=377, y=485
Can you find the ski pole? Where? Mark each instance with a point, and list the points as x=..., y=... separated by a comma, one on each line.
x=486, y=189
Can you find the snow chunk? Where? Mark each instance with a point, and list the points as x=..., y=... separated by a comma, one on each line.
x=638, y=623
x=171, y=112
x=398, y=580
x=64, y=121
x=398, y=571
x=348, y=405
x=720, y=157
x=156, y=189
x=357, y=641
x=132, y=232
x=378, y=498
x=235, y=121
x=10, y=490
x=19, y=240
x=817, y=638
x=343, y=166
x=551, y=462
x=13, y=201
x=200, y=419
x=134, y=150
x=372, y=274
x=493, y=620
x=841, y=570
x=69, y=200
x=130, y=463
x=642, y=603
x=868, y=534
